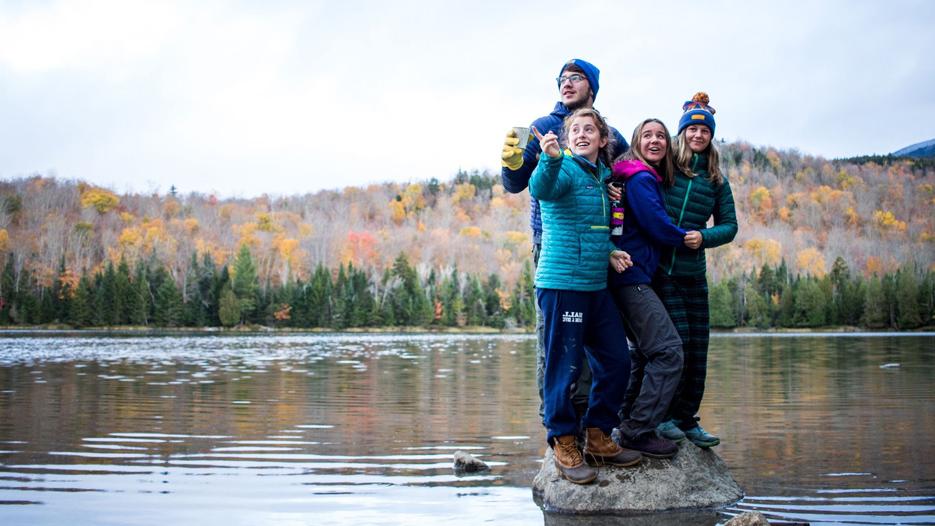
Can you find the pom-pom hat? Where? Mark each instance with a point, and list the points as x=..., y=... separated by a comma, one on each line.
x=697, y=111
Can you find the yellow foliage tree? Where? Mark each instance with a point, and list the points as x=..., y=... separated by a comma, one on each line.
x=515, y=237
x=412, y=198
x=764, y=251
x=397, y=211
x=761, y=201
x=811, y=261
x=471, y=231
x=102, y=200
x=265, y=223
x=4, y=240
x=886, y=220
x=853, y=218
x=774, y=161
x=463, y=192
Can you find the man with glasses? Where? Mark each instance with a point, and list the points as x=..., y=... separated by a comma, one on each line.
x=577, y=87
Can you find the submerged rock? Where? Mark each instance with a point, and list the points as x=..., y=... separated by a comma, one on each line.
x=466, y=463
x=695, y=478
x=750, y=518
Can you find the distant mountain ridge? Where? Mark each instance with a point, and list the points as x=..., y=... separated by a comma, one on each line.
x=922, y=149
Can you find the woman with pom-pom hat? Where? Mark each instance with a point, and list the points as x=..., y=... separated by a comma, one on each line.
x=699, y=192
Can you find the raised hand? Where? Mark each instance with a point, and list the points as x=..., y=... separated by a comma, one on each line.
x=548, y=143
x=511, y=157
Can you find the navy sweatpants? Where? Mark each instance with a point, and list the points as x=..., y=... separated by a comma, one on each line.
x=578, y=326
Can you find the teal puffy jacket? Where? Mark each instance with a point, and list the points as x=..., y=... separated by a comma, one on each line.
x=690, y=202
x=575, y=223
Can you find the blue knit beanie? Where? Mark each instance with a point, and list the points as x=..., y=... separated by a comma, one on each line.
x=590, y=72
x=697, y=111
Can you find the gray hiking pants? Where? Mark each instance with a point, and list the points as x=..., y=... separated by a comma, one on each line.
x=655, y=363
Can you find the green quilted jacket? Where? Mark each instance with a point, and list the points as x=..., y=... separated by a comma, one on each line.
x=575, y=223
x=690, y=202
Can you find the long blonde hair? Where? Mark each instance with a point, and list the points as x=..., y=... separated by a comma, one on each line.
x=683, y=159
x=666, y=168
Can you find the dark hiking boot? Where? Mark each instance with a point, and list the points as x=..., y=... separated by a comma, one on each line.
x=569, y=462
x=701, y=438
x=651, y=445
x=599, y=450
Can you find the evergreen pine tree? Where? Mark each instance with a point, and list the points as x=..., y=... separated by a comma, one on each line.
x=927, y=298
x=523, y=306
x=229, y=307
x=122, y=292
x=137, y=302
x=169, y=305
x=7, y=291
x=851, y=306
x=80, y=312
x=840, y=279
x=47, y=306
x=474, y=308
x=787, y=304
x=207, y=288
x=108, y=296
x=245, y=284
x=907, y=300
x=452, y=301
x=809, y=304
x=319, y=297
x=341, y=301
x=722, y=306
x=758, y=310
x=875, y=313
x=492, y=310
x=194, y=312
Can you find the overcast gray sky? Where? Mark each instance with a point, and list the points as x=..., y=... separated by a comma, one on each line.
x=245, y=98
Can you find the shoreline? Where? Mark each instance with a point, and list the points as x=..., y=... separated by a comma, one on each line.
x=479, y=330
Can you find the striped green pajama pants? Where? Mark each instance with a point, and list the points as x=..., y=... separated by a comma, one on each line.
x=686, y=299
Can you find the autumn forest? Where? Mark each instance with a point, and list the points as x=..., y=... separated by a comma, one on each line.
x=821, y=243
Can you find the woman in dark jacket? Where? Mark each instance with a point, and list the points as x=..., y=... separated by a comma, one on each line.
x=656, y=362
x=700, y=191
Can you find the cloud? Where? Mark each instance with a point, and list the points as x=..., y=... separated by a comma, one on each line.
x=289, y=97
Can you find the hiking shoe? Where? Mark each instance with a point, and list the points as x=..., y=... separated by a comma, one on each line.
x=599, y=449
x=670, y=430
x=651, y=445
x=569, y=462
x=701, y=438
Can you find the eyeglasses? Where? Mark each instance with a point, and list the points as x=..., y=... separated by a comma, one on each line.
x=573, y=78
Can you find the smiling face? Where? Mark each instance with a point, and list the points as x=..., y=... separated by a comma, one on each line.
x=698, y=137
x=584, y=137
x=653, y=142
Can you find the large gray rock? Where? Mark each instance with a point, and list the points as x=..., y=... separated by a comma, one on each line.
x=696, y=478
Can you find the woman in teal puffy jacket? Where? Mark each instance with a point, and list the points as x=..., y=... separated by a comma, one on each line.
x=700, y=191
x=571, y=289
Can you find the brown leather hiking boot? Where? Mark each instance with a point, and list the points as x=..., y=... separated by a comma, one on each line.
x=600, y=449
x=569, y=462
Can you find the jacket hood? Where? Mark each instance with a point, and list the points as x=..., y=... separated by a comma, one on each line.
x=560, y=110
x=630, y=167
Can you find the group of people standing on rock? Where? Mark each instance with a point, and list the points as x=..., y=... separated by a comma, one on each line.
x=619, y=238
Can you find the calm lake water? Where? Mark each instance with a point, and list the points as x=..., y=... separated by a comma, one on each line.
x=360, y=429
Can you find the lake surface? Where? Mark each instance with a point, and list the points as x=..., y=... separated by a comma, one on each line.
x=360, y=429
